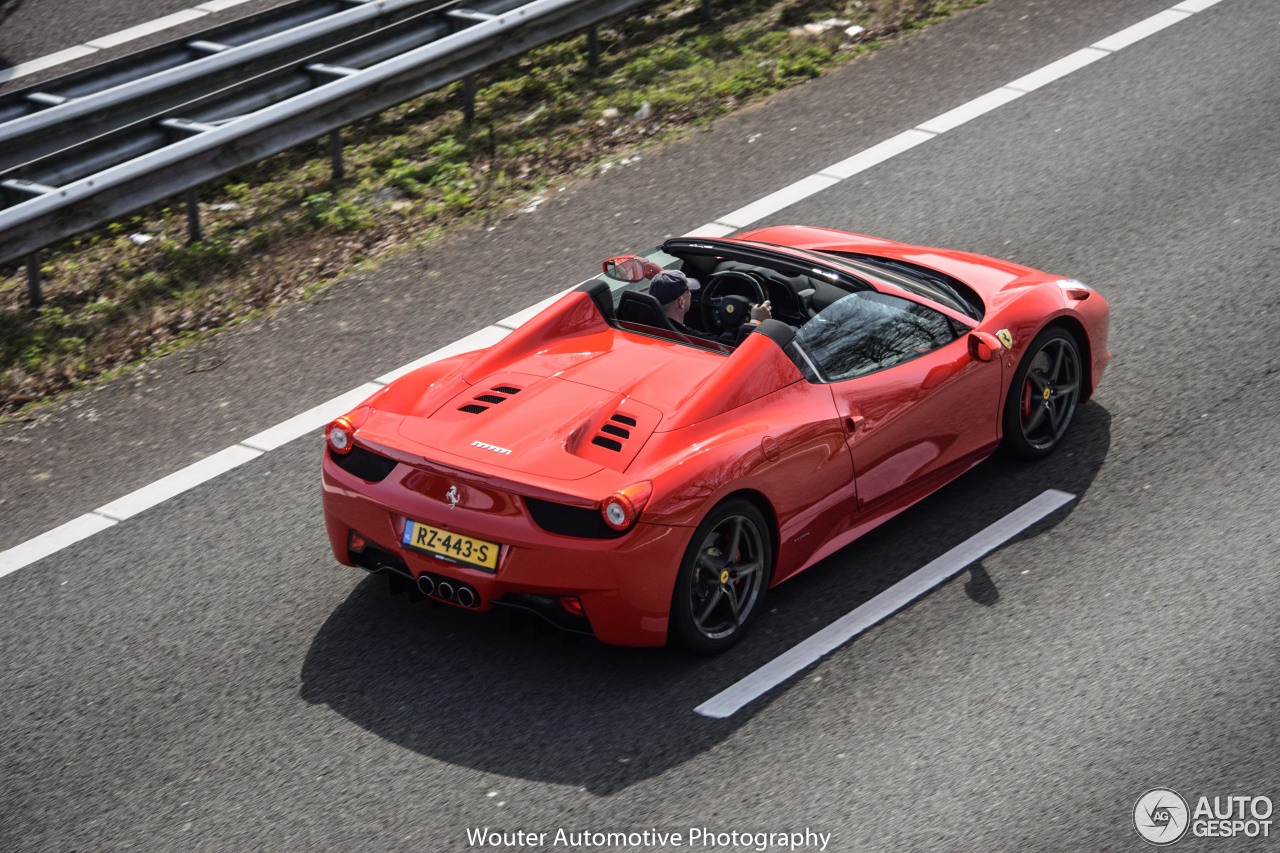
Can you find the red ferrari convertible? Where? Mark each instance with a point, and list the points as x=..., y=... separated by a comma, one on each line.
x=644, y=468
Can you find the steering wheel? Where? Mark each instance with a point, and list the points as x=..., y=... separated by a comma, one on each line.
x=728, y=312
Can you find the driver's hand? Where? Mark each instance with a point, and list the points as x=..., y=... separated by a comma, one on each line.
x=761, y=312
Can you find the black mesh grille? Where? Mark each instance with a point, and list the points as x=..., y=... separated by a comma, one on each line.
x=365, y=464
x=624, y=419
x=607, y=443
x=473, y=409
x=490, y=398
x=570, y=520
x=615, y=430
x=506, y=389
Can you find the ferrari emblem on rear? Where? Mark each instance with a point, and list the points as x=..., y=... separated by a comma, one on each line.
x=452, y=497
x=1005, y=338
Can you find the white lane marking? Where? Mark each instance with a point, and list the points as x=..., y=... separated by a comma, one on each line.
x=313, y=418
x=1142, y=29
x=775, y=201
x=519, y=318
x=486, y=337
x=1055, y=70
x=142, y=30
x=810, y=651
x=979, y=106
x=178, y=482
x=27, y=552
x=877, y=154
x=52, y=542
x=61, y=57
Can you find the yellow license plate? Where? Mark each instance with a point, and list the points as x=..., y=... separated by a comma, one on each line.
x=452, y=546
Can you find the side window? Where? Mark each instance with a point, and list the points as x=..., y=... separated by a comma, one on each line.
x=868, y=331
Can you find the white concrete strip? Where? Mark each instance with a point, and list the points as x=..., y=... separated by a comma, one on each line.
x=51, y=542
x=712, y=229
x=877, y=154
x=178, y=482
x=486, y=337
x=219, y=5
x=149, y=28
x=1055, y=70
x=979, y=106
x=52, y=60
x=884, y=605
x=313, y=418
x=61, y=57
x=1142, y=29
x=519, y=318
x=779, y=200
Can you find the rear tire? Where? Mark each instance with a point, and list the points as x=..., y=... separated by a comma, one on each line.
x=723, y=578
x=1043, y=395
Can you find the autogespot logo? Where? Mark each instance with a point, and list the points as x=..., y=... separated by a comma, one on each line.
x=1160, y=816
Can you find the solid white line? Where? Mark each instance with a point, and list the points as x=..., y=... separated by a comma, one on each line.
x=52, y=542
x=486, y=337
x=281, y=433
x=1055, y=70
x=52, y=60
x=979, y=106
x=178, y=482
x=877, y=154
x=313, y=418
x=61, y=57
x=884, y=605
x=779, y=200
x=1142, y=29
x=143, y=30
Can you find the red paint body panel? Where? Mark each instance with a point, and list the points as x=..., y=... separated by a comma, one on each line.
x=571, y=409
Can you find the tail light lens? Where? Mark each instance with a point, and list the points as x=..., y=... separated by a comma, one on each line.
x=621, y=509
x=340, y=434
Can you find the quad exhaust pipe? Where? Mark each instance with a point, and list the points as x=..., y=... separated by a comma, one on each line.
x=444, y=590
x=427, y=584
x=466, y=596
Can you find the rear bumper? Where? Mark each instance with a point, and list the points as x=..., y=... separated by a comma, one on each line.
x=624, y=584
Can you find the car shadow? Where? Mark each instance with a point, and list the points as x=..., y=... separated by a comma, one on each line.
x=531, y=703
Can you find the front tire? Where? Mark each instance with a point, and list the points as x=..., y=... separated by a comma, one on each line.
x=723, y=578
x=1044, y=394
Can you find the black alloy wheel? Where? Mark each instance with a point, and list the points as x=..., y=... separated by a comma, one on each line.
x=1044, y=394
x=722, y=581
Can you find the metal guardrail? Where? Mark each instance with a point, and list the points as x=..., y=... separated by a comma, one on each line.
x=76, y=156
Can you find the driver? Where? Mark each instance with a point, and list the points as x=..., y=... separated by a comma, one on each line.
x=672, y=289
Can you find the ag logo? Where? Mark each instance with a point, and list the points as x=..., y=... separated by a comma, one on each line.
x=1005, y=338
x=1160, y=816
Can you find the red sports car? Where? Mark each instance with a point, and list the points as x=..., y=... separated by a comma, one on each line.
x=644, y=469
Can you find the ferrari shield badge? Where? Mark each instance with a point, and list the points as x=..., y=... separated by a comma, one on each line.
x=1005, y=338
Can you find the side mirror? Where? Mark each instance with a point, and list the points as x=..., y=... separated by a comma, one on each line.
x=630, y=268
x=984, y=346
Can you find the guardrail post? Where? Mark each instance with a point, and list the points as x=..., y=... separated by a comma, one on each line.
x=335, y=154
x=193, y=217
x=33, y=280
x=593, y=47
x=469, y=98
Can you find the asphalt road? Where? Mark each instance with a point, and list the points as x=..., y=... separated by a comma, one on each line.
x=204, y=677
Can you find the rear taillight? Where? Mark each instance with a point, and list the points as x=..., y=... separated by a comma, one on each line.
x=621, y=509
x=340, y=435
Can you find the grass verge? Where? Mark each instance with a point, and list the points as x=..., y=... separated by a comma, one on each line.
x=281, y=229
